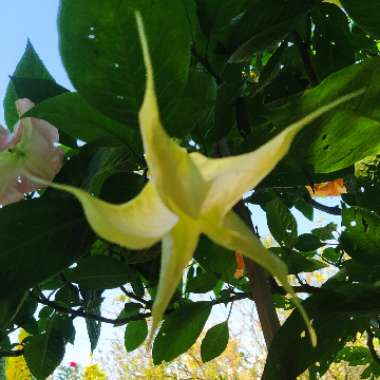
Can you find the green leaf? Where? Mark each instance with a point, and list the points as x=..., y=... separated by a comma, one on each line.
x=354, y=355
x=93, y=300
x=331, y=255
x=138, y=287
x=122, y=187
x=101, y=272
x=337, y=316
x=218, y=19
x=296, y=261
x=30, y=66
x=71, y=114
x=135, y=334
x=331, y=40
x=308, y=242
x=179, y=331
x=345, y=135
x=114, y=83
x=361, y=238
x=201, y=283
x=37, y=90
x=304, y=207
x=9, y=307
x=215, y=341
x=43, y=353
x=366, y=13
x=196, y=100
x=225, y=110
x=281, y=222
x=30, y=232
x=68, y=295
x=129, y=310
x=326, y=232
x=264, y=23
x=26, y=311
x=215, y=259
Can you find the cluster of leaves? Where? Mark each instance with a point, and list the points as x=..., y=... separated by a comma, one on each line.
x=231, y=73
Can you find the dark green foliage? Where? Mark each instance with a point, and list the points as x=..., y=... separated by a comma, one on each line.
x=44, y=352
x=135, y=334
x=113, y=84
x=180, y=331
x=30, y=66
x=215, y=341
x=230, y=75
x=44, y=227
x=281, y=222
x=100, y=272
x=337, y=315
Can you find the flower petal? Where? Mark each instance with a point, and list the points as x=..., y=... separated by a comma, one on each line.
x=233, y=234
x=11, y=171
x=178, y=247
x=177, y=179
x=39, y=139
x=4, y=138
x=231, y=177
x=136, y=224
x=7, y=139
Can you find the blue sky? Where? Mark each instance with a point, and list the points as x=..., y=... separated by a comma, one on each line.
x=36, y=20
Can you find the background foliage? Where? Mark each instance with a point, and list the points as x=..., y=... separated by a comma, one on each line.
x=231, y=73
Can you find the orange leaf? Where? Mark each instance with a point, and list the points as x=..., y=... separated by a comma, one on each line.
x=328, y=189
x=240, y=266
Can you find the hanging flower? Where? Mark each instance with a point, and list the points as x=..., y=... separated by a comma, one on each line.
x=31, y=150
x=189, y=194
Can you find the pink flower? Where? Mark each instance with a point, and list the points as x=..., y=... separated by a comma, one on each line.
x=73, y=364
x=30, y=151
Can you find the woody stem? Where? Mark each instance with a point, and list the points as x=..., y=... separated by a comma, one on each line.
x=260, y=286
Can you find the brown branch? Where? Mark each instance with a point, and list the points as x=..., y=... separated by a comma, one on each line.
x=80, y=313
x=12, y=353
x=260, y=287
x=134, y=297
x=122, y=321
x=335, y=210
x=304, y=288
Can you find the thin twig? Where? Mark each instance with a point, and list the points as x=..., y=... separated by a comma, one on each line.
x=134, y=297
x=122, y=321
x=335, y=210
x=12, y=353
